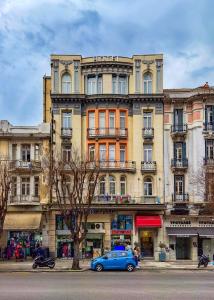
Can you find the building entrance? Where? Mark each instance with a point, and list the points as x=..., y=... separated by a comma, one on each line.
x=182, y=248
x=147, y=243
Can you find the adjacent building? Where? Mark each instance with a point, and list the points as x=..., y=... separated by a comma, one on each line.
x=111, y=108
x=188, y=160
x=23, y=147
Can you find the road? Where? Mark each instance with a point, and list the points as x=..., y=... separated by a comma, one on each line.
x=143, y=285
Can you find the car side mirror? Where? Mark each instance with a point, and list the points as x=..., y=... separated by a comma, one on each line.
x=105, y=257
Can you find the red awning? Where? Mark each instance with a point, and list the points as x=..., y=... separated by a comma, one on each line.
x=148, y=221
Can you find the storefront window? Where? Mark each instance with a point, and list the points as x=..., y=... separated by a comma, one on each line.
x=122, y=222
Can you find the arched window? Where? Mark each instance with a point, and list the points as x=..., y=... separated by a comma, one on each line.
x=147, y=83
x=112, y=185
x=148, y=186
x=66, y=83
x=102, y=185
x=122, y=185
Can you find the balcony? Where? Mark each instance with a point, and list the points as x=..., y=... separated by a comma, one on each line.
x=209, y=162
x=208, y=127
x=99, y=133
x=66, y=132
x=179, y=131
x=25, y=166
x=148, y=167
x=24, y=200
x=148, y=133
x=179, y=164
x=115, y=166
x=180, y=198
x=125, y=199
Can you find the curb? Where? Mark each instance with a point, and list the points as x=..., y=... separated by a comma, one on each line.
x=43, y=271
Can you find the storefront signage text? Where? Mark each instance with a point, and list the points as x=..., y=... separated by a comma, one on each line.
x=121, y=232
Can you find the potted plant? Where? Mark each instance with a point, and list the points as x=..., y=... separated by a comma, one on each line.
x=162, y=254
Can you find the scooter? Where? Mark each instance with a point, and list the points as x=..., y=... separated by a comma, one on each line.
x=203, y=260
x=42, y=262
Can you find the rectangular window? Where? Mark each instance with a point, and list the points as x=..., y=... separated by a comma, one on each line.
x=122, y=85
x=91, y=152
x=122, y=120
x=178, y=151
x=36, y=152
x=112, y=152
x=25, y=186
x=122, y=153
x=114, y=84
x=111, y=119
x=25, y=152
x=99, y=85
x=148, y=153
x=102, y=152
x=179, y=185
x=91, y=120
x=147, y=120
x=178, y=117
x=14, y=186
x=36, y=186
x=66, y=120
x=66, y=153
x=14, y=151
x=102, y=122
x=209, y=109
x=91, y=85
x=210, y=149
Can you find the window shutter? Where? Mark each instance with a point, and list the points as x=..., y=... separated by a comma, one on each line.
x=184, y=151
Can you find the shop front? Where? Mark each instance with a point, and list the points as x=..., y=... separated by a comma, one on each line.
x=121, y=232
x=23, y=229
x=147, y=228
x=206, y=241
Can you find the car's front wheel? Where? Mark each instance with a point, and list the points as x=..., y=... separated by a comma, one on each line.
x=130, y=268
x=99, y=268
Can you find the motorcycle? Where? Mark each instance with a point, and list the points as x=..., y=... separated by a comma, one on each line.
x=42, y=262
x=203, y=260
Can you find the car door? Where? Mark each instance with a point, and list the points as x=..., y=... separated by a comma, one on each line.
x=122, y=259
x=112, y=261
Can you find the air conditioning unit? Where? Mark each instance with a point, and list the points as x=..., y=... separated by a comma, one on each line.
x=96, y=226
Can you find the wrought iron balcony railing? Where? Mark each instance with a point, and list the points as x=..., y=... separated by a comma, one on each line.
x=24, y=199
x=148, y=133
x=66, y=132
x=125, y=199
x=180, y=129
x=22, y=165
x=180, y=198
x=107, y=133
x=114, y=165
x=208, y=126
x=179, y=163
x=148, y=166
x=209, y=161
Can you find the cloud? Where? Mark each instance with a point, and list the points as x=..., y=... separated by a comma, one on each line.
x=31, y=30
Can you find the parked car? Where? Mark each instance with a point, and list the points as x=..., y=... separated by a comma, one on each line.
x=114, y=260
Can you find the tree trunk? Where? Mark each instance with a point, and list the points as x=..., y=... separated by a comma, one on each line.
x=76, y=259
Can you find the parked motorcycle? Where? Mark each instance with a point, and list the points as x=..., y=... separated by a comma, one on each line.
x=42, y=262
x=203, y=261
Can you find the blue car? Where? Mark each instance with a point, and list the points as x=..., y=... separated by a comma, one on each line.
x=114, y=260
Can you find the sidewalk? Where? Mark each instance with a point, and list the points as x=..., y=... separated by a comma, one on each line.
x=65, y=266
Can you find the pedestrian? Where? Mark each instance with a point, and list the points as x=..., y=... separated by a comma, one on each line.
x=136, y=257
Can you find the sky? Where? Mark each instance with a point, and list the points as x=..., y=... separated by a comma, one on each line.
x=31, y=30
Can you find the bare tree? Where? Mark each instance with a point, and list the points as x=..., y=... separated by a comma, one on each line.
x=203, y=186
x=5, y=183
x=74, y=182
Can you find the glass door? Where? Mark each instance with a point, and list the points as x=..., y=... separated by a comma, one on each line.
x=102, y=117
x=111, y=123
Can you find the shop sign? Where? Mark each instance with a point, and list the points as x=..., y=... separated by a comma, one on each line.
x=121, y=232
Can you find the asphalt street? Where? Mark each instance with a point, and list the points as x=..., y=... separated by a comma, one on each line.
x=107, y=285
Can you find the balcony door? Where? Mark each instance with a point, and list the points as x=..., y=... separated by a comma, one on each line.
x=209, y=144
x=91, y=123
x=111, y=155
x=179, y=153
x=102, y=122
x=178, y=119
x=112, y=123
x=122, y=123
x=209, y=115
x=25, y=153
x=147, y=153
x=102, y=154
x=179, y=187
x=122, y=156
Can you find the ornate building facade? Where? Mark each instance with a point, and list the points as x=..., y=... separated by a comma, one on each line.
x=111, y=109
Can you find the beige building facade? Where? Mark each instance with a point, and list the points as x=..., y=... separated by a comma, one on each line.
x=23, y=147
x=110, y=108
